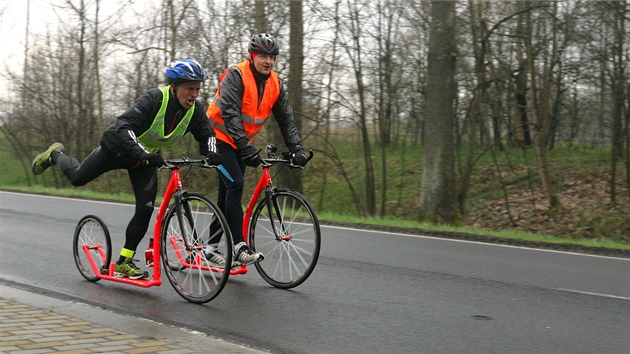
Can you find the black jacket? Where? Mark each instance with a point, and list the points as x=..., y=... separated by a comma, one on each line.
x=120, y=139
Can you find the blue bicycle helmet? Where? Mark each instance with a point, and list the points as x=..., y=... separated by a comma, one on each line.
x=182, y=70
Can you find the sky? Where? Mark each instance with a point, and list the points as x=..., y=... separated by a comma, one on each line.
x=13, y=16
x=12, y=32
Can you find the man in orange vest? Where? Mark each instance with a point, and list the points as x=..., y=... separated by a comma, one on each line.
x=248, y=93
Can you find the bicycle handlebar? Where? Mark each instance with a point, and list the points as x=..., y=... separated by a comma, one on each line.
x=186, y=161
x=272, y=159
x=176, y=164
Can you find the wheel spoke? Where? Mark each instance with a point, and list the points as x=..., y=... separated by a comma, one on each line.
x=91, y=242
x=184, y=262
x=291, y=255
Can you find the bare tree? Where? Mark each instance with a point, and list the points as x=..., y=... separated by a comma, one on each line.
x=355, y=71
x=295, y=78
x=388, y=15
x=541, y=110
x=260, y=16
x=83, y=117
x=355, y=52
x=324, y=99
x=619, y=85
x=438, y=201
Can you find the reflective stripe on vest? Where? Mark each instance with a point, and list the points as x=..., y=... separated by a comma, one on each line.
x=253, y=115
x=154, y=138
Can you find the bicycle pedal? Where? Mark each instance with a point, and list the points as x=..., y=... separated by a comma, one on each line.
x=104, y=270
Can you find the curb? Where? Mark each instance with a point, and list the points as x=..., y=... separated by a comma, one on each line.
x=34, y=323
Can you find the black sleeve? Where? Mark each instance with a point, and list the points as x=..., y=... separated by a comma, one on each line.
x=232, y=91
x=120, y=139
x=284, y=117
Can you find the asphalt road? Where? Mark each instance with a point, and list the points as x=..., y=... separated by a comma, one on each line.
x=372, y=292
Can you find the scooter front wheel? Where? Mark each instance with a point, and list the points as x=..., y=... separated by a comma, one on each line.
x=92, y=247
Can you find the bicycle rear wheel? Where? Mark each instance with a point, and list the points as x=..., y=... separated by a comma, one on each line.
x=186, y=231
x=292, y=253
x=92, y=236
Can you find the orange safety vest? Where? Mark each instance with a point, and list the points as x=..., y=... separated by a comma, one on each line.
x=252, y=114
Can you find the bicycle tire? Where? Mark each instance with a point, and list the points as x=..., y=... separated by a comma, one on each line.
x=92, y=232
x=181, y=250
x=290, y=258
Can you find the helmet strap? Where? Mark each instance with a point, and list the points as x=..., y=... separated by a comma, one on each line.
x=252, y=55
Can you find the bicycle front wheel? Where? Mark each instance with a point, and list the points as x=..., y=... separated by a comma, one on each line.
x=288, y=236
x=191, y=230
x=92, y=242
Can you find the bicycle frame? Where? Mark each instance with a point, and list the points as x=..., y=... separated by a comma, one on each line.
x=174, y=186
x=263, y=183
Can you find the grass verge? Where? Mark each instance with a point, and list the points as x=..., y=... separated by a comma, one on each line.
x=386, y=224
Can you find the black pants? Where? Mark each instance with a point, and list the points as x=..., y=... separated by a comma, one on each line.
x=231, y=192
x=143, y=180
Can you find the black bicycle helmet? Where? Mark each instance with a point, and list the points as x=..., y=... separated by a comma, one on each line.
x=264, y=43
x=182, y=70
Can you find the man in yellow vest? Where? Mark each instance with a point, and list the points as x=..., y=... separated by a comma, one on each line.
x=159, y=118
x=249, y=92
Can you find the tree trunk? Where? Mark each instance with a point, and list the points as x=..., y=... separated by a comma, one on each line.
x=99, y=87
x=438, y=202
x=618, y=92
x=355, y=52
x=260, y=17
x=386, y=94
x=295, y=79
x=329, y=91
x=541, y=119
x=522, y=127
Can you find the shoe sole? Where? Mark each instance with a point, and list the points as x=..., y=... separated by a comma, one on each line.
x=36, y=162
x=208, y=263
x=123, y=275
x=215, y=264
x=53, y=147
x=212, y=265
x=237, y=263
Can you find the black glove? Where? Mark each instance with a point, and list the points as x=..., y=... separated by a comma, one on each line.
x=298, y=157
x=250, y=155
x=153, y=160
x=213, y=158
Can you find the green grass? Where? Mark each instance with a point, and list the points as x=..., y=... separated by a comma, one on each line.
x=70, y=193
x=515, y=235
x=336, y=218
x=402, y=187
